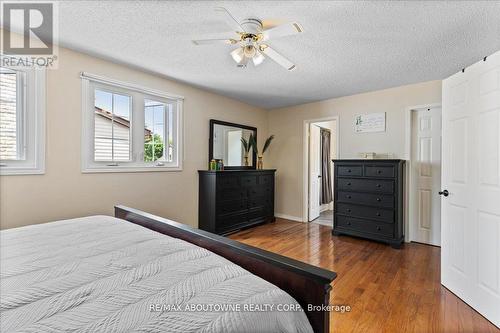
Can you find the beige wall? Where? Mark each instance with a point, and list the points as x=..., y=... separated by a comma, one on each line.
x=64, y=192
x=286, y=152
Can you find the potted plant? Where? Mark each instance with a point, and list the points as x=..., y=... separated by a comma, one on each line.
x=247, y=145
x=260, y=162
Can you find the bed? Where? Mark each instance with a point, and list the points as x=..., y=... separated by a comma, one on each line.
x=140, y=272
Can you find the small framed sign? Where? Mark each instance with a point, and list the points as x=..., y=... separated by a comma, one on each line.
x=369, y=123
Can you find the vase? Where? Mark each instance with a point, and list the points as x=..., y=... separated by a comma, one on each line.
x=246, y=160
x=260, y=163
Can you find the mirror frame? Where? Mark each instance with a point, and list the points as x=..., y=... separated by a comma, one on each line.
x=214, y=122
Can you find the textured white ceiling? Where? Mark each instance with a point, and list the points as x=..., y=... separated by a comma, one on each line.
x=347, y=47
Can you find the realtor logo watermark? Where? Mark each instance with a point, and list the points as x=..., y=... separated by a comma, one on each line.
x=29, y=34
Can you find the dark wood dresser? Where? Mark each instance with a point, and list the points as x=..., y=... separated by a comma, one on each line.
x=368, y=199
x=234, y=199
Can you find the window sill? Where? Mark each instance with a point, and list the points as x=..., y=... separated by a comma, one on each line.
x=21, y=171
x=118, y=169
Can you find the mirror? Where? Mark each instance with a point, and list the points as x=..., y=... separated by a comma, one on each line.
x=225, y=144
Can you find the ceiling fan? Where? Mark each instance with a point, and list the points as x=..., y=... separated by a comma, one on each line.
x=251, y=39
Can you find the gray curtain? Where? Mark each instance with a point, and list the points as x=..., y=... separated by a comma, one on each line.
x=326, y=170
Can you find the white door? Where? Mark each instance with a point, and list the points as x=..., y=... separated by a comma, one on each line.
x=314, y=171
x=470, y=243
x=425, y=219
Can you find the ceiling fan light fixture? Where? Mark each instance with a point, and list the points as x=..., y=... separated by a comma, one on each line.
x=249, y=51
x=243, y=63
x=250, y=36
x=238, y=55
x=258, y=58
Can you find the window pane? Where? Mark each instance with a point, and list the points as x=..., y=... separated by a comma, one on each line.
x=112, y=126
x=154, y=130
x=8, y=115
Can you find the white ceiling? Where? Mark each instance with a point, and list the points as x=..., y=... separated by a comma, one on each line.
x=346, y=47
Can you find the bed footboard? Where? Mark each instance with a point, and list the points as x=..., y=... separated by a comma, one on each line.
x=309, y=285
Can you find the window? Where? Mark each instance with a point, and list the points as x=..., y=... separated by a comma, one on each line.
x=112, y=126
x=22, y=127
x=129, y=128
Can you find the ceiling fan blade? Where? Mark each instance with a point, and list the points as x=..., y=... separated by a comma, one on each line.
x=282, y=30
x=213, y=41
x=230, y=20
x=278, y=58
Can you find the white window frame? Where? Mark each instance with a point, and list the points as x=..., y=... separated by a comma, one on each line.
x=30, y=116
x=90, y=82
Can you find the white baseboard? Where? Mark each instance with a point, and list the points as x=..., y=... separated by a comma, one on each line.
x=288, y=217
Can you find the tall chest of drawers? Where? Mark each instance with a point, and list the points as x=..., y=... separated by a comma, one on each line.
x=369, y=199
x=234, y=199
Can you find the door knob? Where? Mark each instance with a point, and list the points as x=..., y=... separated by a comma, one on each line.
x=444, y=192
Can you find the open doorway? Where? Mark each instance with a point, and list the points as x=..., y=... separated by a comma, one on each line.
x=424, y=201
x=322, y=147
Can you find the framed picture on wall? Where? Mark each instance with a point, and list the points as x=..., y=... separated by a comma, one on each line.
x=369, y=123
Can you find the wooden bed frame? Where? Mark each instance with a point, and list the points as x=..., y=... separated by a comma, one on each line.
x=307, y=284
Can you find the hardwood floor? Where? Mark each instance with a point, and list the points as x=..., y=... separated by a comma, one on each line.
x=388, y=290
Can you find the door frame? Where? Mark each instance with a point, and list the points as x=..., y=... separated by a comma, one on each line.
x=407, y=156
x=305, y=159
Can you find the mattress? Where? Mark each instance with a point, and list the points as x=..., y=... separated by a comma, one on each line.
x=103, y=274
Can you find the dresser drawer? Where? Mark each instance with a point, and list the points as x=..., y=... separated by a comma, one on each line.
x=363, y=226
x=232, y=194
x=369, y=185
x=229, y=220
x=256, y=202
x=249, y=181
x=350, y=170
x=224, y=182
x=266, y=180
x=257, y=214
x=232, y=206
x=372, y=213
x=377, y=200
x=380, y=171
x=256, y=191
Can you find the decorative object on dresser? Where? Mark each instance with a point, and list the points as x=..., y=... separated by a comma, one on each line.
x=247, y=146
x=368, y=199
x=260, y=162
x=234, y=199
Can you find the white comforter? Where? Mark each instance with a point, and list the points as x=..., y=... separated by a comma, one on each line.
x=102, y=274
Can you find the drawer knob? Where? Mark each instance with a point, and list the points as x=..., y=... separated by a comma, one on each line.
x=348, y=170
x=378, y=228
x=378, y=214
x=349, y=183
x=378, y=199
x=348, y=197
x=379, y=171
x=378, y=185
x=348, y=210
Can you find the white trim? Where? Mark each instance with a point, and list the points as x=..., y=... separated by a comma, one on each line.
x=305, y=158
x=34, y=136
x=288, y=217
x=129, y=86
x=407, y=156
